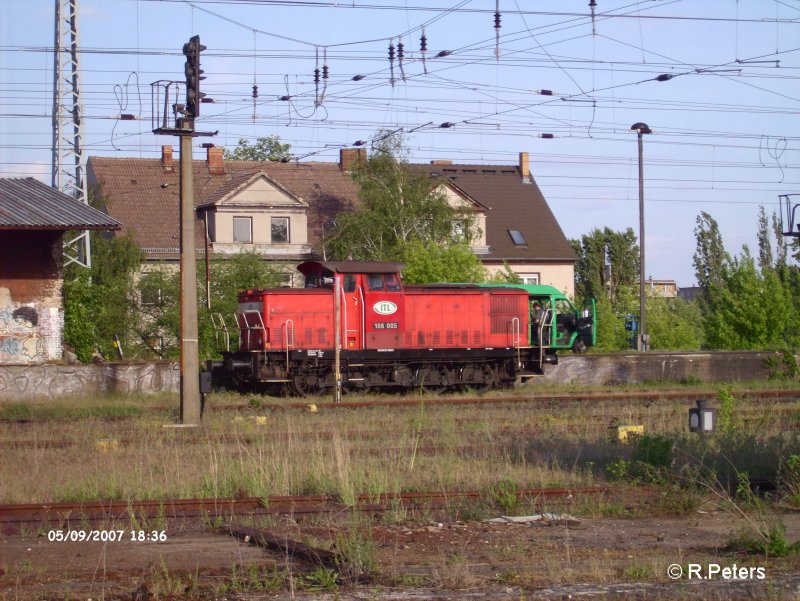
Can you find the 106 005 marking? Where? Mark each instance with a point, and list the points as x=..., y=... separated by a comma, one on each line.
x=103, y=536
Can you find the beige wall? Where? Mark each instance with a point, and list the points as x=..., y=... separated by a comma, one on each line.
x=459, y=203
x=261, y=200
x=560, y=276
x=222, y=220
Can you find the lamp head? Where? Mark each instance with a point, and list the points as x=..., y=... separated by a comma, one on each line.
x=641, y=128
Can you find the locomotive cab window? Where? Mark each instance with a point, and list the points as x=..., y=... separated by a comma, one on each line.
x=384, y=281
x=319, y=279
x=349, y=284
x=392, y=282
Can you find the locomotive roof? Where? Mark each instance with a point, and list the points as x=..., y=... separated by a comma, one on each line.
x=351, y=266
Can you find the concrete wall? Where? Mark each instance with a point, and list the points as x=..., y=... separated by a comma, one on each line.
x=639, y=368
x=31, y=312
x=21, y=382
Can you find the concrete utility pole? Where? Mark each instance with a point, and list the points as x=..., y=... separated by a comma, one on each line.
x=642, y=339
x=191, y=407
x=190, y=346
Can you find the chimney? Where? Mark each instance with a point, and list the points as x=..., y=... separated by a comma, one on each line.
x=166, y=159
x=525, y=167
x=214, y=160
x=350, y=156
x=441, y=162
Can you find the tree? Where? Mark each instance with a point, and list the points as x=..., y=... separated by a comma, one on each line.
x=607, y=262
x=97, y=300
x=764, y=242
x=710, y=256
x=429, y=262
x=157, y=329
x=747, y=310
x=403, y=213
x=674, y=324
x=267, y=148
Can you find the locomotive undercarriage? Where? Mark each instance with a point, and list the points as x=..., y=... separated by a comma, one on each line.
x=300, y=373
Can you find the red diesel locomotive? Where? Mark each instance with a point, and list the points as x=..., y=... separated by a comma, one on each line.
x=388, y=335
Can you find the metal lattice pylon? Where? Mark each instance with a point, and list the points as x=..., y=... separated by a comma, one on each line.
x=69, y=166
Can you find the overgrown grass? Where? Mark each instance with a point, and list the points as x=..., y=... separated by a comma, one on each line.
x=495, y=448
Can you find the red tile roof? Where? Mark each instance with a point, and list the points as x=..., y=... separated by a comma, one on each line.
x=143, y=196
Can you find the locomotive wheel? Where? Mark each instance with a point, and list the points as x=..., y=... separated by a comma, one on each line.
x=434, y=380
x=306, y=385
x=488, y=379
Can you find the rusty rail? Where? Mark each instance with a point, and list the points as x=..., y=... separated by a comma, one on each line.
x=274, y=505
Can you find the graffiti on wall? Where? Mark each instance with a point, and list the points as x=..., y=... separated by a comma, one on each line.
x=28, y=333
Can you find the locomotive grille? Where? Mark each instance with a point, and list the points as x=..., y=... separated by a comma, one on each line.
x=448, y=338
x=308, y=336
x=501, y=311
x=464, y=338
x=476, y=337
x=322, y=336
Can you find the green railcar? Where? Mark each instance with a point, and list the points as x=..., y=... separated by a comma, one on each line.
x=555, y=322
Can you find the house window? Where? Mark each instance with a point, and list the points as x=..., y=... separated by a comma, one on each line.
x=460, y=230
x=517, y=237
x=151, y=296
x=243, y=230
x=530, y=279
x=280, y=230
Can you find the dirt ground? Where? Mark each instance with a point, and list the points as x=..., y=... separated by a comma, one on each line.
x=416, y=559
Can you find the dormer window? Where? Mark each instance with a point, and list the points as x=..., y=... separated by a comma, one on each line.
x=243, y=230
x=280, y=230
x=517, y=238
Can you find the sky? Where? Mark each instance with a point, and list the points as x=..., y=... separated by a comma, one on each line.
x=550, y=81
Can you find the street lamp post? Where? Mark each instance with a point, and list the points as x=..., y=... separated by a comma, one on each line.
x=642, y=338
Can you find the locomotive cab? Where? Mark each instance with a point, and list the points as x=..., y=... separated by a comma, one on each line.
x=372, y=314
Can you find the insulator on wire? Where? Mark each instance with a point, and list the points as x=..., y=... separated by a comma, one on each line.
x=400, y=56
x=391, y=61
x=592, y=6
x=316, y=80
x=255, y=91
x=423, y=48
x=497, y=27
x=324, y=75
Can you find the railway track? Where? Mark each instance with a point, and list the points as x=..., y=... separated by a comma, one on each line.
x=194, y=437
x=546, y=399
x=63, y=513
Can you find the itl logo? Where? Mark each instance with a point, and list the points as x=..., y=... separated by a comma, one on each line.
x=384, y=307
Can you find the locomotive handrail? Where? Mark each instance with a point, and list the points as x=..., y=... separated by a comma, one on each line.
x=286, y=329
x=515, y=339
x=363, y=319
x=224, y=327
x=242, y=316
x=546, y=323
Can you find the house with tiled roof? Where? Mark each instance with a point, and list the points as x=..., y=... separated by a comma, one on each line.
x=285, y=211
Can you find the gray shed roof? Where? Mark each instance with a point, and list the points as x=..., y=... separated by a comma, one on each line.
x=26, y=203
